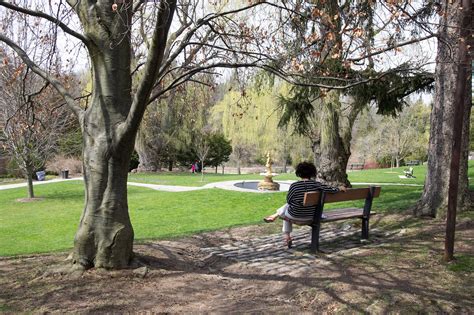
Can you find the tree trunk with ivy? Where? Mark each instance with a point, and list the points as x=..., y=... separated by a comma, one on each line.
x=434, y=199
x=333, y=150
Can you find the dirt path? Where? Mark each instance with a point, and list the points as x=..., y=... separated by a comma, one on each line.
x=248, y=270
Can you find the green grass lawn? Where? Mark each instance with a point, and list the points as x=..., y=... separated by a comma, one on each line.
x=12, y=180
x=9, y=180
x=385, y=175
x=49, y=225
x=388, y=175
x=188, y=179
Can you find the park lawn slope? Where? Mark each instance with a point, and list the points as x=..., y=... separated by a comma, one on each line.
x=169, y=214
x=40, y=226
x=380, y=175
x=196, y=180
x=385, y=175
x=388, y=175
x=50, y=224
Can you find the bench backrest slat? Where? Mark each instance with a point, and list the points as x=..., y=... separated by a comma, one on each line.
x=312, y=198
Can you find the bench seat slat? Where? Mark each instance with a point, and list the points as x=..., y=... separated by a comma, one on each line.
x=336, y=215
x=343, y=214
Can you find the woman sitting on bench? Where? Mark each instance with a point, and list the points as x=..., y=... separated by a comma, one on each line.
x=294, y=209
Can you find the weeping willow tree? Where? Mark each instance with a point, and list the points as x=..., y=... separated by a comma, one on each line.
x=250, y=116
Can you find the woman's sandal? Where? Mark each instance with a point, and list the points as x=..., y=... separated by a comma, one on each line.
x=269, y=219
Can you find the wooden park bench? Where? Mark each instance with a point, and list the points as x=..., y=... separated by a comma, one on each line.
x=319, y=199
x=356, y=166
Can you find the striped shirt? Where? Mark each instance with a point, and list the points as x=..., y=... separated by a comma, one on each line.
x=295, y=197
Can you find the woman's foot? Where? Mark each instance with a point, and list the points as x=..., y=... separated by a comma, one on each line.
x=269, y=219
x=289, y=241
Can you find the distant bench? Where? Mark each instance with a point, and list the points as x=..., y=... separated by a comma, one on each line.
x=413, y=163
x=409, y=172
x=319, y=199
x=356, y=166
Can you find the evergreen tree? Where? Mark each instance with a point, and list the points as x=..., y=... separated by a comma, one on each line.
x=219, y=150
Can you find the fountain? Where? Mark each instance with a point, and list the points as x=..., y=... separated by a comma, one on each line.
x=267, y=183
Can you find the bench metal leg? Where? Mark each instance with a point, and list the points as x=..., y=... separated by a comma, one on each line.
x=315, y=238
x=365, y=228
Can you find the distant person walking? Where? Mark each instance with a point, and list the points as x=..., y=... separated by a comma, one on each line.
x=193, y=168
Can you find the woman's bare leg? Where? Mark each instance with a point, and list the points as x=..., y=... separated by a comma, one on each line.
x=280, y=212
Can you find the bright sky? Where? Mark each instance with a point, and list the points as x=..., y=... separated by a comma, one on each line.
x=76, y=59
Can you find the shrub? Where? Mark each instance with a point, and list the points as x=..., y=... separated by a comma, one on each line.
x=13, y=170
x=60, y=162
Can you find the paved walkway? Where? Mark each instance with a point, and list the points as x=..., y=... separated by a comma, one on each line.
x=227, y=185
x=269, y=254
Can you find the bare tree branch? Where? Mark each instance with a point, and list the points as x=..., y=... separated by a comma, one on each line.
x=391, y=47
x=154, y=60
x=53, y=81
x=198, y=24
x=50, y=18
x=186, y=76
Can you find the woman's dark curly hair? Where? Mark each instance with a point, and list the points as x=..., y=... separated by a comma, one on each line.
x=305, y=170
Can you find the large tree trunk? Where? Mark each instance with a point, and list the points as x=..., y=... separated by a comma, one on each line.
x=434, y=199
x=148, y=160
x=316, y=148
x=105, y=234
x=109, y=125
x=334, y=149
